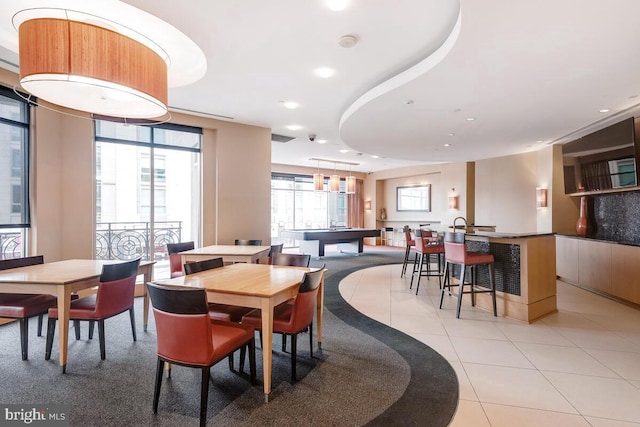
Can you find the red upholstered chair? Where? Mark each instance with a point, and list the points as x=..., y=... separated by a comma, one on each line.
x=292, y=260
x=188, y=337
x=24, y=306
x=223, y=312
x=426, y=246
x=114, y=296
x=175, y=259
x=244, y=242
x=291, y=319
x=275, y=249
x=410, y=245
x=456, y=253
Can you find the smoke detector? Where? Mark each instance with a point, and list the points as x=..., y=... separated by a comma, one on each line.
x=348, y=41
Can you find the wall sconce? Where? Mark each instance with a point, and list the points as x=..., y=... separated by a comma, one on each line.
x=453, y=200
x=367, y=205
x=541, y=197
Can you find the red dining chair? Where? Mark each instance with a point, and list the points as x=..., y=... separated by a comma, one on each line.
x=291, y=319
x=248, y=242
x=275, y=249
x=426, y=246
x=25, y=306
x=411, y=243
x=456, y=253
x=114, y=296
x=175, y=259
x=188, y=337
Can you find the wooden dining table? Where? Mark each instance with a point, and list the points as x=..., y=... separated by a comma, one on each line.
x=253, y=285
x=229, y=253
x=62, y=278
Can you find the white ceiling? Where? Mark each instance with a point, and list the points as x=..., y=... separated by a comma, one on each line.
x=527, y=71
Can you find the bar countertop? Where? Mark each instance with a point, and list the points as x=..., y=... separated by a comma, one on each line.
x=508, y=235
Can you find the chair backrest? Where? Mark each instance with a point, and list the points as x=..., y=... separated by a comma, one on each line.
x=305, y=303
x=292, y=260
x=175, y=260
x=454, y=248
x=6, y=264
x=242, y=242
x=275, y=249
x=183, y=325
x=207, y=264
x=117, y=287
x=407, y=234
x=121, y=270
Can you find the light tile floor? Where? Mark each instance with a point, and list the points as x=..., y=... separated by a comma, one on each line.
x=577, y=367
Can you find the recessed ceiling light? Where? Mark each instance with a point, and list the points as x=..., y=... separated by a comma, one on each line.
x=290, y=104
x=337, y=5
x=325, y=72
x=348, y=41
x=604, y=110
x=321, y=141
x=539, y=141
x=375, y=156
x=447, y=145
x=451, y=134
x=294, y=127
x=470, y=119
x=344, y=151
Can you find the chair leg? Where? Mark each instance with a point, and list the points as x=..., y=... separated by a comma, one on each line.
x=445, y=282
x=252, y=361
x=156, y=392
x=103, y=353
x=76, y=329
x=415, y=268
x=311, y=339
x=24, y=337
x=230, y=357
x=284, y=342
x=406, y=261
x=460, y=289
x=51, y=329
x=204, y=396
x=40, y=318
x=420, y=267
x=92, y=325
x=294, y=352
x=132, y=316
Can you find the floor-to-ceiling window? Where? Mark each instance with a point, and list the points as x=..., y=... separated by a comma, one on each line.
x=295, y=205
x=147, y=190
x=14, y=174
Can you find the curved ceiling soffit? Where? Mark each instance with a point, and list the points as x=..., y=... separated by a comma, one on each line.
x=405, y=76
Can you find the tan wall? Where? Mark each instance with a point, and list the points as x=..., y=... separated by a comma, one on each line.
x=506, y=193
x=236, y=172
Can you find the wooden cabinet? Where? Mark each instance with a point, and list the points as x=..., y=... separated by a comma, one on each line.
x=567, y=259
x=608, y=268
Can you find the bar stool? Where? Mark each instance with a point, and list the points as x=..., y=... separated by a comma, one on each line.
x=410, y=244
x=425, y=247
x=456, y=253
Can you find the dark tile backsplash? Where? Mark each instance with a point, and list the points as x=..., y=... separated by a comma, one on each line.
x=617, y=217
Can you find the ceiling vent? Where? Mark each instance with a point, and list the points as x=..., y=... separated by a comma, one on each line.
x=281, y=138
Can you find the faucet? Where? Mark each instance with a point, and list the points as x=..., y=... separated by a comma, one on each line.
x=464, y=220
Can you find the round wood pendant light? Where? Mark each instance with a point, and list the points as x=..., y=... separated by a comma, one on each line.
x=91, y=68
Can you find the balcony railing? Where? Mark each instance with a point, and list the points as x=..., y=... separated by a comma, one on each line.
x=129, y=240
x=10, y=245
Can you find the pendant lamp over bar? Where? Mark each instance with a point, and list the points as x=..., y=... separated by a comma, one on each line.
x=318, y=180
x=334, y=181
x=351, y=185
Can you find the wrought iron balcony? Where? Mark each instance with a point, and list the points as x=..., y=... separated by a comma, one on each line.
x=128, y=240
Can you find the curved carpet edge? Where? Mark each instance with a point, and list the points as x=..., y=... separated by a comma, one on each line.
x=431, y=398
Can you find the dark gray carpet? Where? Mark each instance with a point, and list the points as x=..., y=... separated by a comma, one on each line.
x=366, y=373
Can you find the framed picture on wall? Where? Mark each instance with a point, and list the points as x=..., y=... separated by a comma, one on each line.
x=413, y=198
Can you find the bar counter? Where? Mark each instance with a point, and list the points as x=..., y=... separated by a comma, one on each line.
x=525, y=266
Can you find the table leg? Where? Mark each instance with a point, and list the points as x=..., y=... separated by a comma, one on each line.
x=267, y=344
x=64, y=304
x=146, y=274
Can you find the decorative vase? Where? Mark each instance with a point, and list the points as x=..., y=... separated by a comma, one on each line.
x=383, y=213
x=581, y=225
